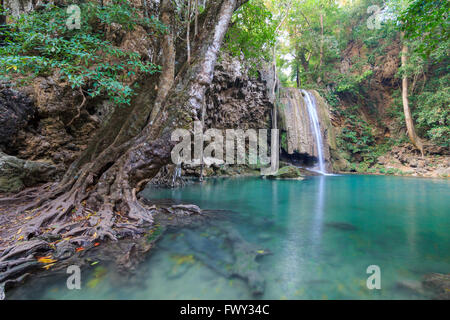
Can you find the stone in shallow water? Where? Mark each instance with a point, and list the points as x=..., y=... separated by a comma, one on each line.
x=410, y=286
x=288, y=172
x=222, y=249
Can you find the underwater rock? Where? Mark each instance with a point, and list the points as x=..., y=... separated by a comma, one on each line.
x=222, y=249
x=288, y=172
x=341, y=226
x=413, y=287
x=438, y=284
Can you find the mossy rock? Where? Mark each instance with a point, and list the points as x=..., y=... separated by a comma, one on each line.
x=287, y=172
x=16, y=174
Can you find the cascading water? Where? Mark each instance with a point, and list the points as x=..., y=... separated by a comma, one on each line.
x=176, y=174
x=315, y=127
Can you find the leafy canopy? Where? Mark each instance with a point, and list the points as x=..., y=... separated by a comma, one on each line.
x=39, y=43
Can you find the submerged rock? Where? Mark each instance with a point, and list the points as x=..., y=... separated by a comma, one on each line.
x=222, y=249
x=341, y=226
x=410, y=286
x=288, y=172
x=184, y=209
x=438, y=284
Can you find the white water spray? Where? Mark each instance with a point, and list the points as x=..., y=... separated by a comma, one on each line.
x=315, y=127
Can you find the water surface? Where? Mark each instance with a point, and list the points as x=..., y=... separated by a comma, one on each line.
x=322, y=234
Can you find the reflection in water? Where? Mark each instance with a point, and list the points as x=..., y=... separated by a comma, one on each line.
x=317, y=225
x=322, y=234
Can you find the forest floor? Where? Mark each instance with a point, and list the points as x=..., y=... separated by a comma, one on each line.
x=402, y=160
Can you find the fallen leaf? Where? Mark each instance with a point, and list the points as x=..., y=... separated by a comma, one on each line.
x=79, y=249
x=48, y=266
x=46, y=260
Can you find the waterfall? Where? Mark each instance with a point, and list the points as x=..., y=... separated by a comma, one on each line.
x=306, y=127
x=176, y=174
x=315, y=127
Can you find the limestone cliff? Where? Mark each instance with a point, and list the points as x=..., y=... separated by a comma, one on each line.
x=298, y=140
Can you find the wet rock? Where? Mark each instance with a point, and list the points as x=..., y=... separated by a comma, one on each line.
x=222, y=249
x=288, y=173
x=185, y=209
x=409, y=286
x=438, y=284
x=236, y=99
x=16, y=109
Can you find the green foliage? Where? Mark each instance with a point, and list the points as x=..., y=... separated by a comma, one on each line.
x=284, y=143
x=357, y=138
x=356, y=135
x=429, y=97
x=350, y=83
x=252, y=31
x=427, y=20
x=39, y=43
x=433, y=112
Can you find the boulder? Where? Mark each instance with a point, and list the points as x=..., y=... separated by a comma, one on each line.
x=288, y=172
x=16, y=174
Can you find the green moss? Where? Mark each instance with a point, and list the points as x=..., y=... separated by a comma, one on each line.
x=288, y=172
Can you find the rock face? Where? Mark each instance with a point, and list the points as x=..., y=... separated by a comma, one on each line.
x=438, y=284
x=16, y=109
x=236, y=100
x=297, y=128
x=37, y=117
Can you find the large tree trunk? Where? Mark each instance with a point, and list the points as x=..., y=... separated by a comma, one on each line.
x=408, y=118
x=103, y=183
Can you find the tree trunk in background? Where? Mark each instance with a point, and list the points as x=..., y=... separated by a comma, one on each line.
x=321, y=43
x=168, y=56
x=415, y=140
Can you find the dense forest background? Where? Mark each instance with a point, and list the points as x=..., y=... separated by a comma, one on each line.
x=350, y=51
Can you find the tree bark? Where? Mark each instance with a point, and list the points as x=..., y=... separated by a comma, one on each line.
x=321, y=42
x=415, y=140
x=188, y=29
x=129, y=151
x=168, y=56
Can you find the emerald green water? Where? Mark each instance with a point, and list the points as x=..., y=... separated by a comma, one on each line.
x=322, y=233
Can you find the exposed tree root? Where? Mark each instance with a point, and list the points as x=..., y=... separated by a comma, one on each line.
x=97, y=198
